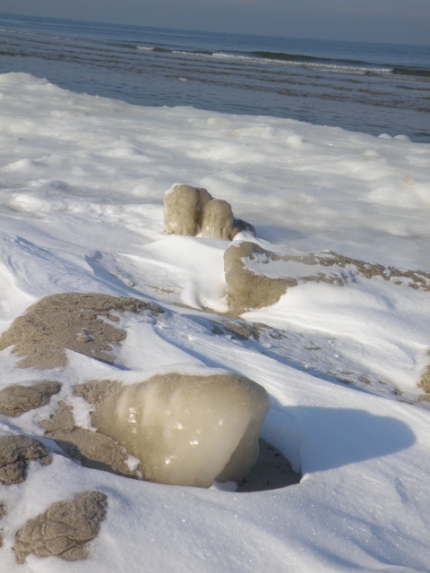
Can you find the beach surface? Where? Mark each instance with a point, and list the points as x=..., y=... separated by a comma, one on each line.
x=341, y=354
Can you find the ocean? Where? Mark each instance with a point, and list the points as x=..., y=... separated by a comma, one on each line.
x=372, y=88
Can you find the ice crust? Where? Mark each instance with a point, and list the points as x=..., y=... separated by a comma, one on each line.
x=185, y=430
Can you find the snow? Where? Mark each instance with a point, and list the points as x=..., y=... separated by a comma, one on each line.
x=82, y=180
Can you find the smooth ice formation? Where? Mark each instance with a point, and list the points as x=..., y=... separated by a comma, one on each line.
x=185, y=430
x=17, y=399
x=15, y=453
x=64, y=529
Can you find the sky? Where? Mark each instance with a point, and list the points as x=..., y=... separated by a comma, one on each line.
x=396, y=21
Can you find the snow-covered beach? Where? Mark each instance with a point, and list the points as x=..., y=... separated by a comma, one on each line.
x=82, y=180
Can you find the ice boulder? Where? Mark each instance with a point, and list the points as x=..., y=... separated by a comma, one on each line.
x=183, y=209
x=218, y=220
x=184, y=429
x=191, y=210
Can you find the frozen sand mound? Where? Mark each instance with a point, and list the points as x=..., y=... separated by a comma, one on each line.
x=191, y=210
x=84, y=323
x=257, y=278
x=15, y=454
x=15, y=400
x=185, y=430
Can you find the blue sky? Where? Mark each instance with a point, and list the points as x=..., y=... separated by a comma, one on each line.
x=398, y=21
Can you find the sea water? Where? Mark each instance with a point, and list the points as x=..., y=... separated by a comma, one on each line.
x=372, y=88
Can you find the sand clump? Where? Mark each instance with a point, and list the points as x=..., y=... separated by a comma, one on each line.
x=257, y=278
x=15, y=454
x=185, y=430
x=91, y=449
x=17, y=399
x=191, y=210
x=80, y=322
x=64, y=529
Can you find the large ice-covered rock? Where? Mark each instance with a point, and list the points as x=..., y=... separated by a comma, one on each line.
x=185, y=430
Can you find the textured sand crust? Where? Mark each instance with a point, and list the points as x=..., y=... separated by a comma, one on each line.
x=247, y=289
x=189, y=210
x=18, y=399
x=185, y=430
x=76, y=321
x=64, y=530
x=15, y=453
x=92, y=449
